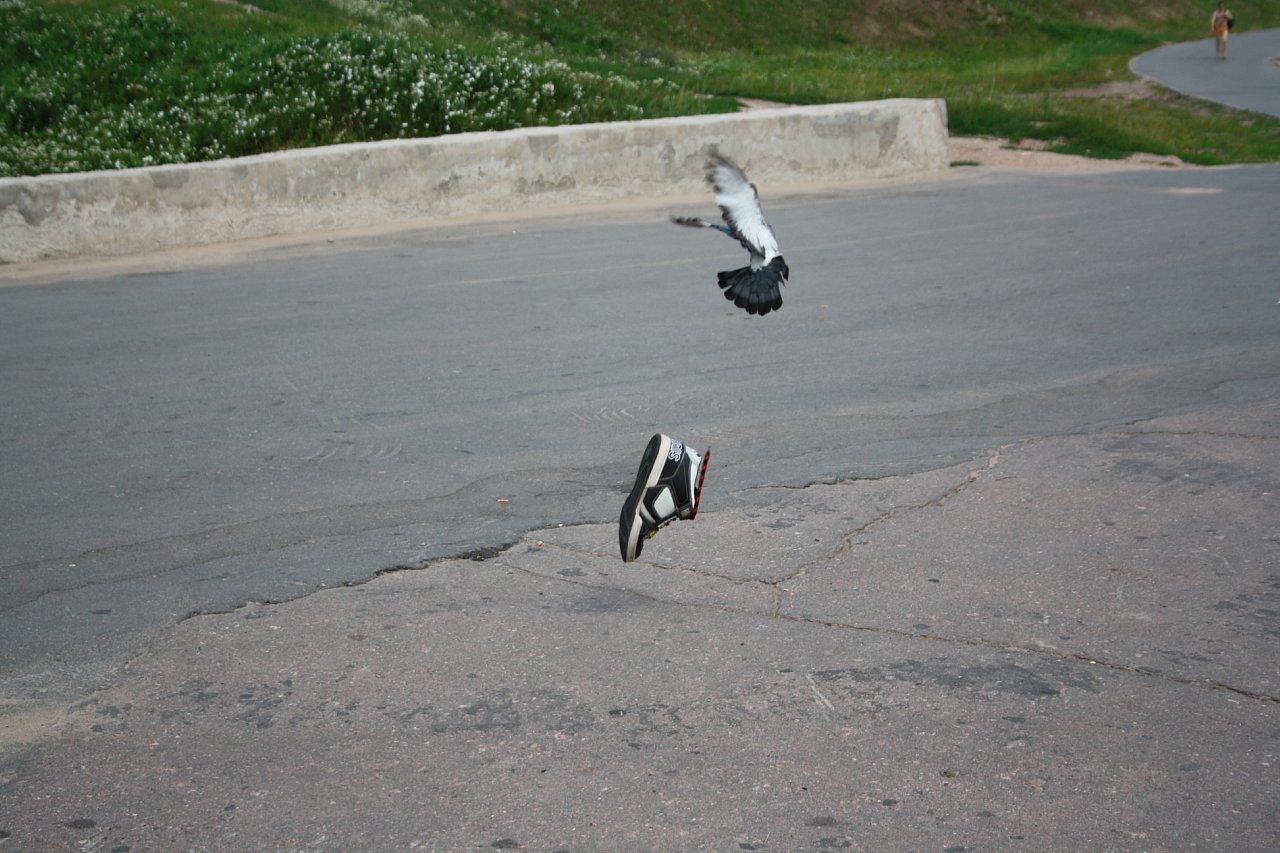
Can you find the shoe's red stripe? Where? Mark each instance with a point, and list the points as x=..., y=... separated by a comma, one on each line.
x=697, y=490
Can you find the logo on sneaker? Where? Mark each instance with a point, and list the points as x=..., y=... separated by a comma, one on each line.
x=676, y=451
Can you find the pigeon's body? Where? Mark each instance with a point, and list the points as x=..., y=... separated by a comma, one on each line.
x=756, y=288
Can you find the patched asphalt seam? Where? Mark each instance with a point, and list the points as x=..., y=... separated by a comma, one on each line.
x=992, y=461
x=990, y=645
x=991, y=464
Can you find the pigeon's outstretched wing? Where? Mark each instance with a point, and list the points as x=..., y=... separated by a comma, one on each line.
x=757, y=286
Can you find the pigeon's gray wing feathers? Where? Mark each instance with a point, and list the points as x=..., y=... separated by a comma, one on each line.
x=699, y=222
x=757, y=287
x=740, y=204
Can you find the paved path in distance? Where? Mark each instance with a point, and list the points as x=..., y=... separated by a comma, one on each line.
x=1247, y=79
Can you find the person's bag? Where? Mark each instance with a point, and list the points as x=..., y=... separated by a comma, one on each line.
x=1231, y=22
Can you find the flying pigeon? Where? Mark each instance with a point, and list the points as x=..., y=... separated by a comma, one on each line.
x=754, y=287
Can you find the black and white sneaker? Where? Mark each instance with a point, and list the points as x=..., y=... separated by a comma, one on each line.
x=668, y=486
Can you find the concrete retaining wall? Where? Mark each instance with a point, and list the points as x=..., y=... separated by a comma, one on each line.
x=363, y=184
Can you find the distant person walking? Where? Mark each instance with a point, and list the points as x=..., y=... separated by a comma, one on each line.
x=1221, y=22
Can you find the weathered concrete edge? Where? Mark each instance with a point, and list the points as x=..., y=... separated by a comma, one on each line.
x=367, y=184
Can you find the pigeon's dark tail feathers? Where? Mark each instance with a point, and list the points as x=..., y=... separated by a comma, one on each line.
x=756, y=291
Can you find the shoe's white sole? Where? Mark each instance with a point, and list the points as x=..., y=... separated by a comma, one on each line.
x=630, y=527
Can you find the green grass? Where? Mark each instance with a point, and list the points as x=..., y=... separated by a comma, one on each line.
x=109, y=89
x=1016, y=87
x=97, y=84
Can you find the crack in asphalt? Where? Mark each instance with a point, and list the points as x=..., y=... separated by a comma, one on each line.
x=264, y=535
x=879, y=630
x=280, y=531
x=991, y=464
x=779, y=587
x=846, y=541
x=1190, y=433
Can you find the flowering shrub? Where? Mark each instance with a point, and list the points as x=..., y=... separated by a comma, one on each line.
x=106, y=90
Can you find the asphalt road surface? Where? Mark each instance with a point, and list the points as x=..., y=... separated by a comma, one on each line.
x=1248, y=79
x=186, y=440
x=985, y=558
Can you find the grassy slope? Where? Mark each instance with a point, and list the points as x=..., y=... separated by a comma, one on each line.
x=91, y=85
x=1002, y=65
